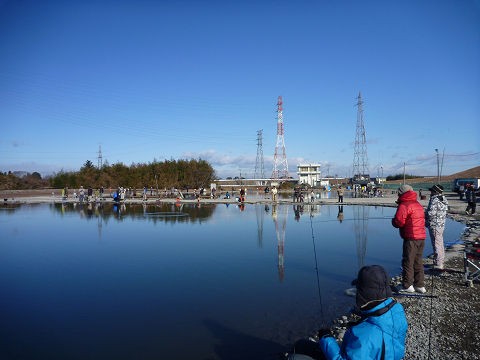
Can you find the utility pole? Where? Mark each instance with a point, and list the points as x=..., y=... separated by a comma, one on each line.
x=438, y=166
x=441, y=164
x=404, y=173
x=280, y=165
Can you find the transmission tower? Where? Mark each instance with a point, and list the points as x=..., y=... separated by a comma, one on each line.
x=360, y=159
x=259, y=168
x=280, y=165
x=100, y=159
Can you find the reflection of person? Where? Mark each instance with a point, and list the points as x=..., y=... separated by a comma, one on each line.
x=382, y=329
x=435, y=217
x=296, y=211
x=340, y=213
x=410, y=220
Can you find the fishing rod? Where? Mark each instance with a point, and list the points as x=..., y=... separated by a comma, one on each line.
x=318, y=278
x=428, y=296
x=353, y=219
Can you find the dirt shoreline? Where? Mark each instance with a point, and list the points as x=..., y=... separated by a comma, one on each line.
x=442, y=326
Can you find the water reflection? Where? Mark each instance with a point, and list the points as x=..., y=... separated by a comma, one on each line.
x=259, y=212
x=159, y=212
x=340, y=213
x=279, y=216
x=360, y=219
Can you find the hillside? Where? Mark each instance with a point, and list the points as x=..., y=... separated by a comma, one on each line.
x=470, y=173
x=446, y=179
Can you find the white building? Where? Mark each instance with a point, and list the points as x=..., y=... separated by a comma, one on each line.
x=309, y=174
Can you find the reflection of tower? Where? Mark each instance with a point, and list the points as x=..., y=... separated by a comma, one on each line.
x=280, y=219
x=360, y=218
x=259, y=168
x=280, y=165
x=259, y=210
x=360, y=159
x=99, y=215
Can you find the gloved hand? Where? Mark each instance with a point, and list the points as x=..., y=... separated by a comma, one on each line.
x=324, y=332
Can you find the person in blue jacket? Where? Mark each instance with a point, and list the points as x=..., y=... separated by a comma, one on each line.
x=382, y=330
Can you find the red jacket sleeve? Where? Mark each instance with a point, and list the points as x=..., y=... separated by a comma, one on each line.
x=400, y=216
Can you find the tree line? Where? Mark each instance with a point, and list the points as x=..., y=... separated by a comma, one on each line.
x=180, y=174
x=401, y=177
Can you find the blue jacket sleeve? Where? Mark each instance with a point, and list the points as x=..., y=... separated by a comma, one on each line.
x=359, y=343
x=330, y=348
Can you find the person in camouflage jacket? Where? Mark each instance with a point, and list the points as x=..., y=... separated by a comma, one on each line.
x=435, y=217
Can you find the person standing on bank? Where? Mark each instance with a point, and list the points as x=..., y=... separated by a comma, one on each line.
x=274, y=193
x=340, y=194
x=471, y=198
x=435, y=217
x=410, y=220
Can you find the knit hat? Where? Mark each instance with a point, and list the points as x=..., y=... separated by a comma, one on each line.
x=373, y=283
x=404, y=188
x=436, y=189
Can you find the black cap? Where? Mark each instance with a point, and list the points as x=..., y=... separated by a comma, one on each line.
x=373, y=283
x=436, y=189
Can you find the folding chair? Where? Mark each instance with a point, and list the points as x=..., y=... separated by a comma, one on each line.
x=471, y=264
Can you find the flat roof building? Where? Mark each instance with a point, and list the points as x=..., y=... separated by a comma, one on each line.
x=309, y=174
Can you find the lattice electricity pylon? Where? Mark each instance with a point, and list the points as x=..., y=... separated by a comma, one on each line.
x=280, y=165
x=360, y=158
x=259, y=166
x=100, y=159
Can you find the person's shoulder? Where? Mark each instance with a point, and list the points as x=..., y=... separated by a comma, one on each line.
x=368, y=326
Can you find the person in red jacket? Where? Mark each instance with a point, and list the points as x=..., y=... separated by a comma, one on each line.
x=410, y=220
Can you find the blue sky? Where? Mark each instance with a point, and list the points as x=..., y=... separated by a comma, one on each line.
x=159, y=80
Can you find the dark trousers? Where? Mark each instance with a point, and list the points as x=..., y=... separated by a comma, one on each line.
x=412, y=263
x=307, y=347
x=471, y=206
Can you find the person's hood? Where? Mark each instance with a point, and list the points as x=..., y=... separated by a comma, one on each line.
x=408, y=196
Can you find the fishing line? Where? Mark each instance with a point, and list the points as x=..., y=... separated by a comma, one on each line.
x=431, y=314
x=316, y=270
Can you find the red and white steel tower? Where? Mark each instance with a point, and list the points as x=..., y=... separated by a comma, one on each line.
x=280, y=165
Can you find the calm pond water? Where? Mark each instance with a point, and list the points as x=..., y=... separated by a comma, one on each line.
x=209, y=282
